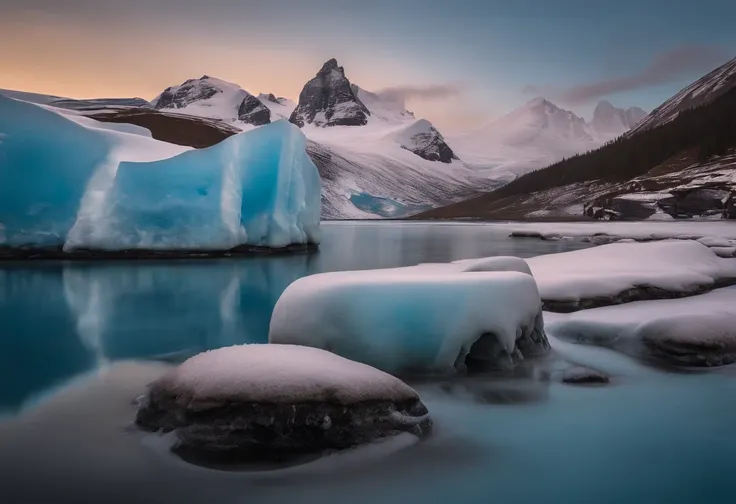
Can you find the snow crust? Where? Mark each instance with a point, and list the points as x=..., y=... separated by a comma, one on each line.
x=281, y=374
x=705, y=319
x=608, y=270
x=67, y=181
x=406, y=319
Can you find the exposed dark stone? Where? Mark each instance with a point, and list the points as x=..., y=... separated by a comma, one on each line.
x=272, y=98
x=699, y=201
x=191, y=91
x=328, y=100
x=431, y=146
x=488, y=354
x=258, y=431
x=55, y=253
x=636, y=293
x=579, y=375
x=253, y=111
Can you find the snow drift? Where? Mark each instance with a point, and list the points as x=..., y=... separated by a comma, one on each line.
x=425, y=318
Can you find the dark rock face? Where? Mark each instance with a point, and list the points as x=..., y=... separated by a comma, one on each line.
x=256, y=431
x=328, y=100
x=701, y=201
x=252, y=111
x=488, y=354
x=579, y=375
x=272, y=98
x=192, y=90
x=431, y=146
x=696, y=354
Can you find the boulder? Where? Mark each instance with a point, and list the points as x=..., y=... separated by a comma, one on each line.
x=274, y=402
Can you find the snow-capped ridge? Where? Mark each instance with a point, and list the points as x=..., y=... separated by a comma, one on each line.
x=328, y=100
x=701, y=92
x=213, y=98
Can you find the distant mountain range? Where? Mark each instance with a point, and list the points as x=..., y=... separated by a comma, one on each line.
x=376, y=158
x=677, y=162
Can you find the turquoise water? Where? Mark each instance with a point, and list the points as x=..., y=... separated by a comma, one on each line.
x=81, y=340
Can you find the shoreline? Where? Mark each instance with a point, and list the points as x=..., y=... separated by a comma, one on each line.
x=13, y=254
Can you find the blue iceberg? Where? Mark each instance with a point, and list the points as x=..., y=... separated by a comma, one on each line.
x=63, y=183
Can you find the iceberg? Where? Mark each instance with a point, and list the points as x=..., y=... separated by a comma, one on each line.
x=66, y=183
x=431, y=318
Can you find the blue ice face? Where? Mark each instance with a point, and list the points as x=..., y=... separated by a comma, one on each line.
x=255, y=188
x=46, y=162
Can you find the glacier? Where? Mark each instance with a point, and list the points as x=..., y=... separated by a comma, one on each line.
x=429, y=318
x=66, y=183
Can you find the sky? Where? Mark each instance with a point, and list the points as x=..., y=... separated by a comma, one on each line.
x=459, y=63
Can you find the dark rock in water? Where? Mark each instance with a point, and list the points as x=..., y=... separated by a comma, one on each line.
x=488, y=354
x=224, y=407
x=579, y=375
x=253, y=111
x=328, y=100
x=691, y=340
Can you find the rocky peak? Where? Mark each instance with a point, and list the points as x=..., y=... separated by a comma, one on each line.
x=253, y=111
x=329, y=100
x=612, y=121
x=423, y=139
x=176, y=97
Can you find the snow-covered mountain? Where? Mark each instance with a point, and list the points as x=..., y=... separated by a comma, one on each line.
x=538, y=134
x=218, y=99
x=328, y=100
x=703, y=91
x=611, y=122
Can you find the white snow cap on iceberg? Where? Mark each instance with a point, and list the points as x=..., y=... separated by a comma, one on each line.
x=281, y=374
x=423, y=317
x=608, y=270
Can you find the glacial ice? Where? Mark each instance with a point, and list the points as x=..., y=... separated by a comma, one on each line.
x=64, y=183
x=422, y=318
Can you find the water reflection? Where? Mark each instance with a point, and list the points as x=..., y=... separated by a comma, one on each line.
x=61, y=319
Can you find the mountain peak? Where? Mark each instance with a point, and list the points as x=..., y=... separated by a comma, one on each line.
x=329, y=100
x=329, y=65
x=537, y=102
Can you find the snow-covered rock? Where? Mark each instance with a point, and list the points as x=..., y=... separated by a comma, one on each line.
x=426, y=318
x=329, y=100
x=425, y=141
x=255, y=402
x=68, y=183
x=693, y=331
x=280, y=107
x=214, y=98
x=624, y=272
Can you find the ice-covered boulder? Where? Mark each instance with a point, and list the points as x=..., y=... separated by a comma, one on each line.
x=255, y=402
x=693, y=331
x=426, y=318
x=623, y=272
x=71, y=183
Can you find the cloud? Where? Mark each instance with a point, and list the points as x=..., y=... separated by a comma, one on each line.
x=664, y=67
x=532, y=90
x=430, y=92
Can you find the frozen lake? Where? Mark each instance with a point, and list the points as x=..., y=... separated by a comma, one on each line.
x=81, y=340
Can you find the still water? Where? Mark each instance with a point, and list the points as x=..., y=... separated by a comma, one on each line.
x=79, y=341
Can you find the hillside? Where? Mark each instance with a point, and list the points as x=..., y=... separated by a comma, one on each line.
x=657, y=168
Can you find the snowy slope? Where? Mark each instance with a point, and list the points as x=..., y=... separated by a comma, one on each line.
x=538, y=134
x=42, y=99
x=700, y=92
x=281, y=108
x=215, y=99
